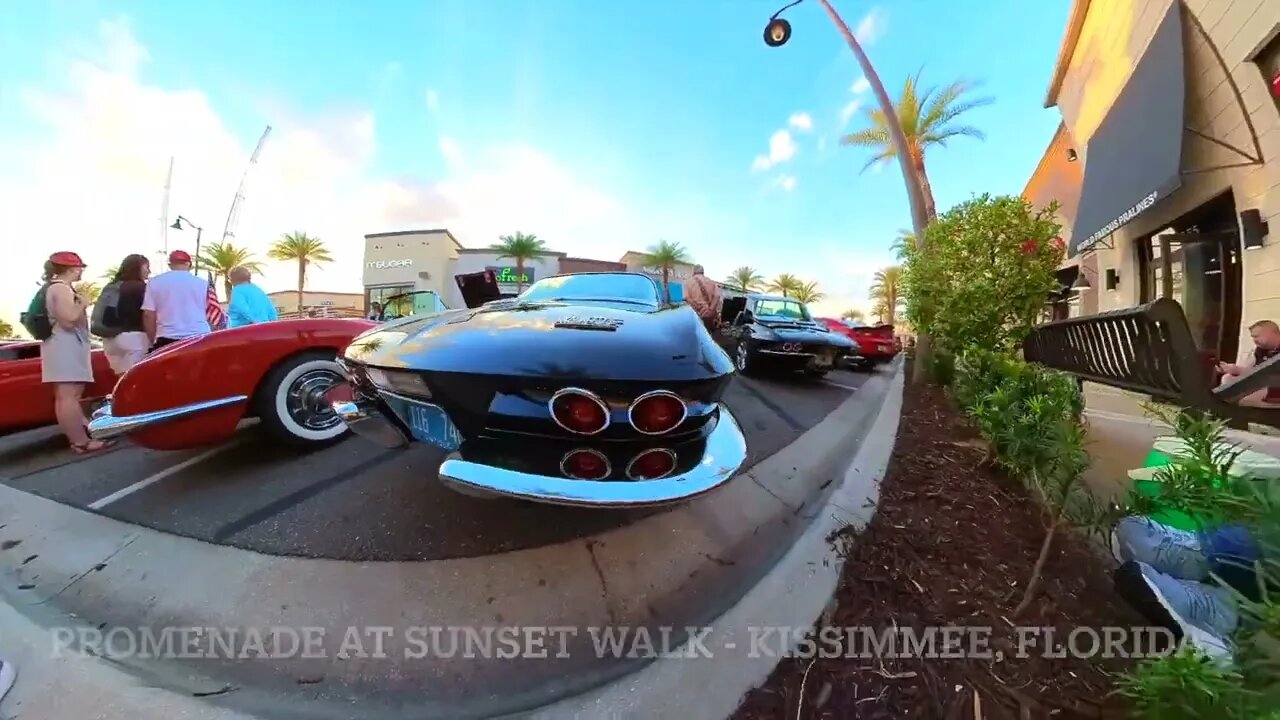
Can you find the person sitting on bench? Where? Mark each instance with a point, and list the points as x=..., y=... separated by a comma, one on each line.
x=1266, y=341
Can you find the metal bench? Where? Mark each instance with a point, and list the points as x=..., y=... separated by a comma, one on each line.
x=1149, y=349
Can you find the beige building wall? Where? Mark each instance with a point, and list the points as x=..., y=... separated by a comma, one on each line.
x=1111, y=39
x=420, y=258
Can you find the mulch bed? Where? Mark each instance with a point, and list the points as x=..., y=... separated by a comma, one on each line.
x=952, y=544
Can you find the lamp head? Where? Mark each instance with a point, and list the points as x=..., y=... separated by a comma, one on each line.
x=177, y=225
x=777, y=32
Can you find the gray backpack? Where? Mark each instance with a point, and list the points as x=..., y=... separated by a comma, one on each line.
x=105, y=322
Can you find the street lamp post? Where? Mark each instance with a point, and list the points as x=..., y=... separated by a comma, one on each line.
x=177, y=225
x=776, y=34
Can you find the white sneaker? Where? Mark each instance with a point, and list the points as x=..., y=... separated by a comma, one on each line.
x=8, y=673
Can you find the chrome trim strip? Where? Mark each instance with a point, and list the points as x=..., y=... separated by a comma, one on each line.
x=608, y=467
x=105, y=425
x=551, y=408
x=669, y=453
x=725, y=453
x=787, y=354
x=656, y=393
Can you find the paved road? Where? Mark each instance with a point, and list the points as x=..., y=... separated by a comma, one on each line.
x=354, y=501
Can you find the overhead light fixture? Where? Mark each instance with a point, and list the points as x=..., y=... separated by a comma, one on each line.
x=1253, y=228
x=1071, y=155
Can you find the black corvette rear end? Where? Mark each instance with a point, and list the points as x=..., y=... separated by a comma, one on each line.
x=583, y=401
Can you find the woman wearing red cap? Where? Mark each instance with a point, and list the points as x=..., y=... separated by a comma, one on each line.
x=64, y=355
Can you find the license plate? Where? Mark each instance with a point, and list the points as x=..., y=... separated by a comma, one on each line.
x=428, y=423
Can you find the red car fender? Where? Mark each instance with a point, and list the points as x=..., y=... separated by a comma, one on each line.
x=226, y=363
x=28, y=402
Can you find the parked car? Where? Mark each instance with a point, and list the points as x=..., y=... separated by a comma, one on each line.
x=28, y=402
x=876, y=344
x=195, y=392
x=771, y=332
x=586, y=389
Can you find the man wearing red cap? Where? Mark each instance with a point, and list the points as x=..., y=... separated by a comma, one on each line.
x=174, y=306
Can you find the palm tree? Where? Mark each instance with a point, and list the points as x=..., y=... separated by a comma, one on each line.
x=220, y=258
x=808, y=293
x=881, y=312
x=886, y=291
x=518, y=247
x=745, y=279
x=300, y=247
x=906, y=239
x=853, y=314
x=665, y=256
x=89, y=290
x=928, y=118
x=6, y=330
x=786, y=283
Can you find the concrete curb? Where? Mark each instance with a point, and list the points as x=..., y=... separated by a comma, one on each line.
x=793, y=594
x=680, y=568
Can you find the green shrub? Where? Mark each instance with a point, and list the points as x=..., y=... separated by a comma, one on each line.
x=943, y=367
x=983, y=277
x=1186, y=685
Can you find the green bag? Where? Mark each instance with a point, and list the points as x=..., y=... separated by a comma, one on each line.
x=36, y=319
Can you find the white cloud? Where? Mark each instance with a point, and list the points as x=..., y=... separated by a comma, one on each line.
x=782, y=147
x=786, y=182
x=92, y=181
x=849, y=110
x=433, y=101
x=801, y=121
x=872, y=26
x=861, y=85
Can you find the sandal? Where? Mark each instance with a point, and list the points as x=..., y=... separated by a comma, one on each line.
x=92, y=446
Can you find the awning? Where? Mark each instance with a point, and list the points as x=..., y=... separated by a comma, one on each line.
x=1134, y=158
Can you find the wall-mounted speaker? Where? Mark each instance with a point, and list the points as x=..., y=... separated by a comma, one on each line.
x=1113, y=278
x=1253, y=228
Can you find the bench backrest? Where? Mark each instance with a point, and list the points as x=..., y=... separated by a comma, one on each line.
x=1147, y=349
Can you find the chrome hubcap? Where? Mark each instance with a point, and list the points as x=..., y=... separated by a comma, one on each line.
x=308, y=399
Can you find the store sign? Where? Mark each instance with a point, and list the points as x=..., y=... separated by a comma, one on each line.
x=384, y=264
x=509, y=276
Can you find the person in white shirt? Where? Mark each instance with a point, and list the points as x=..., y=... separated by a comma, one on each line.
x=174, y=306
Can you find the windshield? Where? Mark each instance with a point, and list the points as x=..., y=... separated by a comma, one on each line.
x=619, y=287
x=780, y=308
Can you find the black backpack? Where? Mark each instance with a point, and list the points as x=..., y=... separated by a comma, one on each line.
x=36, y=319
x=105, y=322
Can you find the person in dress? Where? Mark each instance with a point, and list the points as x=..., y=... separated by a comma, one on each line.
x=130, y=346
x=65, y=355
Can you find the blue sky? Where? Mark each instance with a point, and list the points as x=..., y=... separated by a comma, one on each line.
x=661, y=106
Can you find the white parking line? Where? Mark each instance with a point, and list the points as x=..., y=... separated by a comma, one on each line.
x=839, y=385
x=157, y=477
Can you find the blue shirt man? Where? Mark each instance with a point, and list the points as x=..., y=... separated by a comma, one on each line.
x=249, y=304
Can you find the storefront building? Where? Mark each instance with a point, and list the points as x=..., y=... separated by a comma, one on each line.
x=510, y=283
x=318, y=302
x=1058, y=179
x=400, y=262
x=1172, y=109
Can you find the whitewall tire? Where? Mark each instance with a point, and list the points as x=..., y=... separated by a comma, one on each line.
x=293, y=403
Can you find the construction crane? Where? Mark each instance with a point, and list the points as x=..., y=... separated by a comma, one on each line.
x=233, y=216
x=164, y=210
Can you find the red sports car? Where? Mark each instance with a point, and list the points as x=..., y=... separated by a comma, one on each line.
x=28, y=402
x=195, y=392
x=876, y=343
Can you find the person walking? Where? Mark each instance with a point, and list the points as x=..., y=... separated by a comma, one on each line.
x=130, y=343
x=174, y=306
x=65, y=354
x=375, y=312
x=248, y=303
x=705, y=297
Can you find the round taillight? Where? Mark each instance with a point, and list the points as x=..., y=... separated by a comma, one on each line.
x=579, y=411
x=652, y=464
x=657, y=412
x=585, y=464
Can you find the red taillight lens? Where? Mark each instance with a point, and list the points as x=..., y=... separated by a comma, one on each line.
x=657, y=412
x=585, y=464
x=579, y=411
x=652, y=464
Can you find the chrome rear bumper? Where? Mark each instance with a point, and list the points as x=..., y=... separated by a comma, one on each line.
x=104, y=424
x=725, y=453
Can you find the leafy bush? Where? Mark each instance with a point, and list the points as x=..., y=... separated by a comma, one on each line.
x=982, y=280
x=1186, y=685
x=1030, y=417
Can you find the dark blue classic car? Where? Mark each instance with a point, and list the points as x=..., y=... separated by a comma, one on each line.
x=772, y=332
x=585, y=389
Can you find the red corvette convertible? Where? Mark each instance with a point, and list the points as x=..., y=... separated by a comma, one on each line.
x=195, y=392
x=28, y=403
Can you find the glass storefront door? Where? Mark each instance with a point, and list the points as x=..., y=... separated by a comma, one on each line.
x=404, y=306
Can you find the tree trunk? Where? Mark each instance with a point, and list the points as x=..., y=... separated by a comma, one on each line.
x=1034, y=581
x=226, y=285
x=666, y=282
x=302, y=281
x=926, y=190
x=519, y=275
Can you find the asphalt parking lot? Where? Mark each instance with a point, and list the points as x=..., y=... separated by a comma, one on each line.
x=355, y=501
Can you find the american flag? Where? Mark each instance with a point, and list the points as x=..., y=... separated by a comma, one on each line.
x=212, y=310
